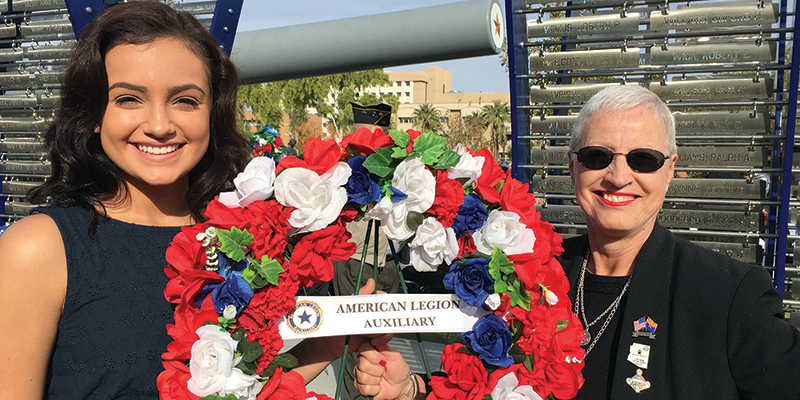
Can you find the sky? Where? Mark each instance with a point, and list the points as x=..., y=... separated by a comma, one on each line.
x=470, y=75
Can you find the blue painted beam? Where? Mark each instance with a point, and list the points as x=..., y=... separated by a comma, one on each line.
x=225, y=22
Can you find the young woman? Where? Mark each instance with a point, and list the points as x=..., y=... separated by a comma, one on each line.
x=145, y=138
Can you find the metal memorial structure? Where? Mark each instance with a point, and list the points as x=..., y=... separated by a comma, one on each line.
x=721, y=67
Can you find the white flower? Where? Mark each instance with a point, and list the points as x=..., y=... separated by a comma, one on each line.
x=507, y=389
x=252, y=184
x=318, y=199
x=468, y=166
x=413, y=179
x=229, y=312
x=551, y=297
x=493, y=301
x=504, y=230
x=433, y=245
x=212, y=367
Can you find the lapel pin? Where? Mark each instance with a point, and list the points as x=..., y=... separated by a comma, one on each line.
x=646, y=327
x=637, y=382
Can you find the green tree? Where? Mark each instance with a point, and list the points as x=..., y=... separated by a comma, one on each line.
x=495, y=116
x=264, y=101
x=348, y=87
x=426, y=118
x=468, y=131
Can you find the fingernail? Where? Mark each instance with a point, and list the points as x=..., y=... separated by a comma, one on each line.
x=382, y=363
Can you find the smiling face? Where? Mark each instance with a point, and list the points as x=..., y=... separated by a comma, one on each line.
x=618, y=201
x=156, y=125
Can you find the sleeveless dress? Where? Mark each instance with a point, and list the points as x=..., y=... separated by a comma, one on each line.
x=112, y=332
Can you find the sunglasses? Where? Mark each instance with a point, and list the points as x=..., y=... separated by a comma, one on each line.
x=640, y=160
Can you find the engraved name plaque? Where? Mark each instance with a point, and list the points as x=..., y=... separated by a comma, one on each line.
x=721, y=156
x=550, y=155
x=8, y=31
x=700, y=219
x=45, y=27
x=588, y=59
x=18, y=101
x=22, y=145
x=52, y=101
x=11, y=55
x=19, y=187
x=200, y=7
x=25, y=167
x=33, y=5
x=19, y=207
x=23, y=124
x=714, y=89
x=712, y=53
x=567, y=93
x=50, y=52
x=722, y=122
x=586, y=25
x=14, y=78
x=553, y=124
x=737, y=251
x=704, y=18
x=680, y=187
x=48, y=77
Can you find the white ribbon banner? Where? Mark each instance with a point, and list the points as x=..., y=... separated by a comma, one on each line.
x=317, y=316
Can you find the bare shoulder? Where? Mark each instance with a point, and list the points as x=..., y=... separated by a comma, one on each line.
x=33, y=275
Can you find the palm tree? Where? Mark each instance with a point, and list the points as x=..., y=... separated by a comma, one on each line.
x=426, y=118
x=495, y=116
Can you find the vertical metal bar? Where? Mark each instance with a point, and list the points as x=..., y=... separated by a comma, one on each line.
x=225, y=21
x=789, y=130
x=375, y=256
x=520, y=91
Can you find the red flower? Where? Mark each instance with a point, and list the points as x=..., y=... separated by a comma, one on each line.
x=412, y=135
x=288, y=386
x=365, y=141
x=491, y=175
x=449, y=197
x=313, y=255
x=269, y=224
x=466, y=245
x=183, y=331
x=172, y=382
x=318, y=156
x=348, y=214
x=466, y=376
x=515, y=197
x=223, y=217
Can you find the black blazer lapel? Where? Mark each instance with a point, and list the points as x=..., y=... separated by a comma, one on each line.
x=648, y=296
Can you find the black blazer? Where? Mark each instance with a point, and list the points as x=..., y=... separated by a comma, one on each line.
x=720, y=332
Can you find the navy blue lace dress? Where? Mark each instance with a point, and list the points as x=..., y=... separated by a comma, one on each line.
x=112, y=332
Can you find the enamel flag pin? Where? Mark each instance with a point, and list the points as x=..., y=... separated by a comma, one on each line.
x=646, y=327
x=637, y=382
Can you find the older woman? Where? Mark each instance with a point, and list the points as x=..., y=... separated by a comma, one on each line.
x=663, y=318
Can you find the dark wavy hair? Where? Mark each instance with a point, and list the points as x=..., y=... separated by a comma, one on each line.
x=82, y=174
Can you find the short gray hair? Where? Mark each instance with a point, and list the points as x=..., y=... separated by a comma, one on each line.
x=623, y=98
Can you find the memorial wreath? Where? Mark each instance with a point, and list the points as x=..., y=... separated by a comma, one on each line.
x=234, y=276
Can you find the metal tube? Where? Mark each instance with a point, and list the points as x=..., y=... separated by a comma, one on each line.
x=445, y=32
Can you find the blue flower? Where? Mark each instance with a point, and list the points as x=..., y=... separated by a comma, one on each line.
x=491, y=339
x=470, y=280
x=235, y=290
x=471, y=215
x=361, y=188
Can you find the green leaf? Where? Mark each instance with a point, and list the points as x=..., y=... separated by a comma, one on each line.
x=248, y=367
x=380, y=162
x=285, y=361
x=260, y=273
x=414, y=220
x=239, y=335
x=269, y=371
x=430, y=147
x=400, y=138
x=218, y=397
x=448, y=159
x=562, y=324
x=519, y=296
x=232, y=241
x=250, y=350
x=500, y=268
x=528, y=362
x=399, y=153
x=517, y=354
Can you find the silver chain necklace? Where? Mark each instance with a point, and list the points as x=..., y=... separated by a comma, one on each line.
x=611, y=310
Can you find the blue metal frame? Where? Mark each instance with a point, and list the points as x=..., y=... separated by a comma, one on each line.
x=520, y=89
x=81, y=12
x=225, y=22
